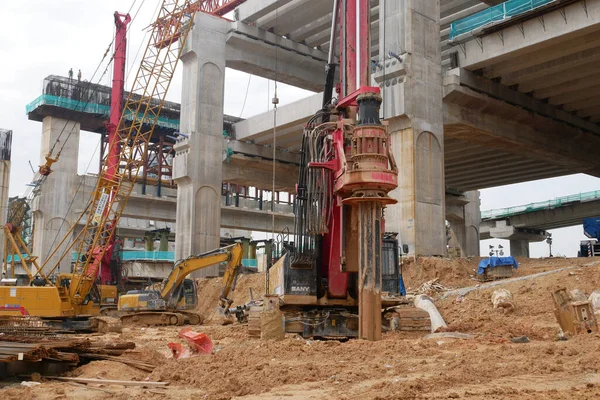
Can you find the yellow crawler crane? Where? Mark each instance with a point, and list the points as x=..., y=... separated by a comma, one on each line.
x=74, y=297
x=172, y=304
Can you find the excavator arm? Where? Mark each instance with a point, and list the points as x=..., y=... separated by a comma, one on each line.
x=231, y=254
x=230, y=278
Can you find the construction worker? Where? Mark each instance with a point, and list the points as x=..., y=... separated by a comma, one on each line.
x=71, y=74
x=79, y=76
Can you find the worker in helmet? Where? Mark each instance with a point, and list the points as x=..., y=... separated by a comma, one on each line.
x=71, y=74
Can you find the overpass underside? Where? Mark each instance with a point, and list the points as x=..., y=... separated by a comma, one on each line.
x=514, y=104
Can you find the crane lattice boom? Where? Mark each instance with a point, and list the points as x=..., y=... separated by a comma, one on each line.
x=140, y=116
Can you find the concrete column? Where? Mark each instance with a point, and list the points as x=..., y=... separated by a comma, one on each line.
x=412, y=104
x=52, y=218
x=464, y=221
x=163, y=241
x=149, y=241
x=472, y=222
x=198, y=160
x=519, y=248
x=5, y=147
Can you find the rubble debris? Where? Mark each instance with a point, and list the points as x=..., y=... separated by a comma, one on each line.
x=430, y=287
x=449, y=335
x=520, y=339
x=28, y=326
x=71, y=352
x=574, y=316
x=594, y=299
x=30, y=383
x=577, y=295
x=503, y=298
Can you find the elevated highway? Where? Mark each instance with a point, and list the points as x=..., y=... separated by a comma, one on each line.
x=530, y=222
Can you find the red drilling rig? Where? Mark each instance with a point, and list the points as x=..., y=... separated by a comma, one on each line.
x=333, y=267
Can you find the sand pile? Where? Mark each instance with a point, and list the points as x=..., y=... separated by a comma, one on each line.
x=533, y=315
x=108, y=370
x=450, y=272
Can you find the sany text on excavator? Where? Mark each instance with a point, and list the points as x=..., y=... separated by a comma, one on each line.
x=172, y=304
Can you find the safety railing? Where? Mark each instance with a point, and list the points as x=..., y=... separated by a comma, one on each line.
x=493, y=14
x=148, y=256
x=140, y=255
x=89, y=108
x=540, y=205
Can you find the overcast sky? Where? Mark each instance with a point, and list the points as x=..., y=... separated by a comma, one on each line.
x=41, y=38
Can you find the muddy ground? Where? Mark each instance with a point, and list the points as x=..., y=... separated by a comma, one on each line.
x=402, y=366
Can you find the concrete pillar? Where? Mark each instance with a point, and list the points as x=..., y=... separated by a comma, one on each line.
x=412, y=104
x=5, y=147
x=52, y=218
x=149, y=241
x=199, y=158
x=163, y=241
x=519, y=248
x=472, y=222
x=464, y=221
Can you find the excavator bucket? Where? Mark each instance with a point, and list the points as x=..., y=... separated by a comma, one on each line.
x=199, y=342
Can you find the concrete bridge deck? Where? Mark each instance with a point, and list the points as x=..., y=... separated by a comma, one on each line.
x=530, y=222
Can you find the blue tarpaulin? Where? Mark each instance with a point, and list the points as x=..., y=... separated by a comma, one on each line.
x=591, y=227
x=496, y=262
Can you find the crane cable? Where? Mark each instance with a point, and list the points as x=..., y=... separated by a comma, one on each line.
x=246, y=96
x=275, y=102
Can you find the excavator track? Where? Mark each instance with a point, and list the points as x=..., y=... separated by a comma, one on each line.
x=153, y=318
x=191, y=318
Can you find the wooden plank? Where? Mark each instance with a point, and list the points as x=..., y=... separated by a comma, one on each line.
x=109, y=381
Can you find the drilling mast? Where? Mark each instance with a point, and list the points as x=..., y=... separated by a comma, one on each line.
x=334, y=266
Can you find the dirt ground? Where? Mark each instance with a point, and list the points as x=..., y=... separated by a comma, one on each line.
x=401, y=366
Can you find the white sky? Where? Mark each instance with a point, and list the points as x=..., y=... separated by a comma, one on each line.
x=41, y=38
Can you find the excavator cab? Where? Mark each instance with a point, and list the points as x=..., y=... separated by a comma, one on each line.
x=189, y=295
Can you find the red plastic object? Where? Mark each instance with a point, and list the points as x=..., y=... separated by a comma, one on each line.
x=176, y=349
x=199, y=342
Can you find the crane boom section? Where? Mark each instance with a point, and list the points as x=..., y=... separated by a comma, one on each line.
x=140, y=115
x=230, y=254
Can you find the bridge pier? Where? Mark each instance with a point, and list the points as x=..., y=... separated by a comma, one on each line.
x=519, y=237
x=519, y=248
x=52, y=214
x=464, y=216
x=412, y=104
x=198, y=164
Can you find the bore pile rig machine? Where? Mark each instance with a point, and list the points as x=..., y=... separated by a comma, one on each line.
x=332, y=271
